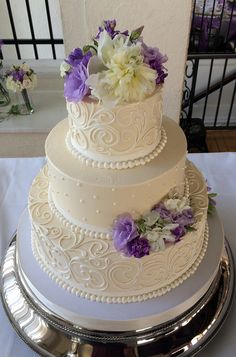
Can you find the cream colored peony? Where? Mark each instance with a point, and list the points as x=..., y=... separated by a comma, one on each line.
x=126, y=78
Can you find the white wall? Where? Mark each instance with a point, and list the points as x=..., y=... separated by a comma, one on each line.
x=39, y=18
x=167, y=24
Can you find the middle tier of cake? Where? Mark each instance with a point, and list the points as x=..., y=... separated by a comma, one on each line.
x=91, y=198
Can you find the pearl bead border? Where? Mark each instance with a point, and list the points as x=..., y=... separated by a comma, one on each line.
x=123, y=300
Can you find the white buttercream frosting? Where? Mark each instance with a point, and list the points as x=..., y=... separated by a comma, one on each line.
x=118, y=164
x=102, y=163
x=74, y=185
x=124, y=133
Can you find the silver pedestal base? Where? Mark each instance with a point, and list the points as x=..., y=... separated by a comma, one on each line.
x=50, y=335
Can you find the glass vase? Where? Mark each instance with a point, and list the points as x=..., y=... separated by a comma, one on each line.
x=4, y=96
x=22, y=103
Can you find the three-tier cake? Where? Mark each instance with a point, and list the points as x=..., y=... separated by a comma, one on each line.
x=117, y=214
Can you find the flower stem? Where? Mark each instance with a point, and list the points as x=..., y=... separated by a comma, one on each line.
x=27, y=101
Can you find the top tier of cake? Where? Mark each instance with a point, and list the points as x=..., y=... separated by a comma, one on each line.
x=123, y=136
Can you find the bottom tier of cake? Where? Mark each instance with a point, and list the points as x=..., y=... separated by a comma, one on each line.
x=90, y=267
x=93, y=315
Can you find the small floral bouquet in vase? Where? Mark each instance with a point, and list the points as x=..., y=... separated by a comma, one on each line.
x=19, y=79
x=116, y=68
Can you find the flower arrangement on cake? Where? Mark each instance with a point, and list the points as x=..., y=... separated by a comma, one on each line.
x=166, y=223
x=118, y=67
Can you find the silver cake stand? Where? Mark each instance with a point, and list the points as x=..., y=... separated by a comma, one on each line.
x=50, y=335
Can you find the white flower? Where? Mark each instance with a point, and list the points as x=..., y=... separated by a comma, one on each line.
x=126, y=78
x=12, y=85
x=151, y=218
x=99, y=91
x=156, y=239
x=64, y=68
x=153, y=234
x=25, y=67
x=95, y=65
x=106, y=47
x=26, y=83
x=158, y=236
x=29, y=82
x=177, y=204
x=166, y=232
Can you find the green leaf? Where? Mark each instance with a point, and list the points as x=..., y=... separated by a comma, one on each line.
x=212, y=194
x=161, y=223
x=14, y=110
x=141, y=226
x=211, y=209
x=190, y=229
x=89, y=48
x=135, y=34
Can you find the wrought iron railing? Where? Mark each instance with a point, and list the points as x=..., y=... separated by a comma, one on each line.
x=32, y=41
x=212, y=43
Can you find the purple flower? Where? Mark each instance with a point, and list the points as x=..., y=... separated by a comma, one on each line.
x=124, y=231
x=77, y=57
x=75, y=87
x=163, y=211
x=86, y=58
x=178, y=232
x=138, y=247
x=109, y=26
x=154, y=58
x=18, y=75
x=185, y=218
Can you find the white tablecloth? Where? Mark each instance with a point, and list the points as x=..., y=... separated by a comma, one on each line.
x=16, y=176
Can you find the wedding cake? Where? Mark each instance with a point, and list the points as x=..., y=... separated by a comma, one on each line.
x=118, y=214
